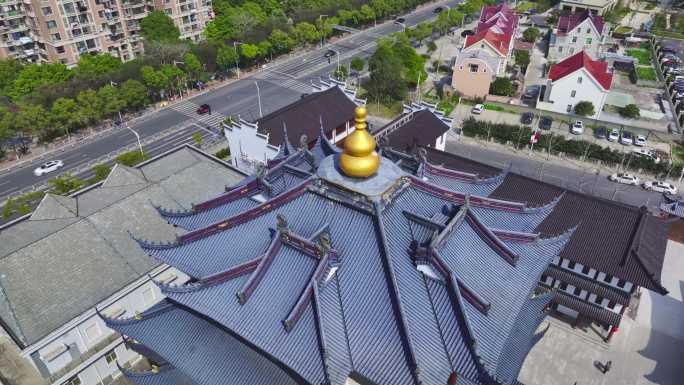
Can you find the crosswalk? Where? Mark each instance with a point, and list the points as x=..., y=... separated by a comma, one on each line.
x=284, y=80
x=189, y=109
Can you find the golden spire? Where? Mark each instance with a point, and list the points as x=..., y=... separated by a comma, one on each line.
x=359, y=159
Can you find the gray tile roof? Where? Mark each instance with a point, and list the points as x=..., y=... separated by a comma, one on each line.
x=73, y=252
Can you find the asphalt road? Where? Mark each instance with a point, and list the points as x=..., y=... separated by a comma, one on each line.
x=582, y=180
x=280, y=83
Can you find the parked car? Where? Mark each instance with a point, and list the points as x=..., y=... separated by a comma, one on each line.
x=203, y=109
x=438, y=9
x=329, y=53
x=577, y=128
x=624, y=178
x=478, y=109
x=614, y=135
x=48, y=167
x=626, y=138
x=601, y=132
x=640, y=140
x=527, y=118
x=648, y=153
x=660, y=186
x=399, y=20
x=467, y=32
x=545, y=122
x=532, y=92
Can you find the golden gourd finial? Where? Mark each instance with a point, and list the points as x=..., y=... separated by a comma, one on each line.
x=359, y=159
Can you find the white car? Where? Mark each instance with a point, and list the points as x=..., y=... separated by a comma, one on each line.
x=659, y=186
x=48, y=167
x=577, y=128
x=478, y=109
x=614, y=135
x=624, y=178
x=640, y=141
x=647, y=152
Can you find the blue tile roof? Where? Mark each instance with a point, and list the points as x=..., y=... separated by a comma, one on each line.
x=405, y=288
x=199, y=349
x=463, y=182
x=164, y=375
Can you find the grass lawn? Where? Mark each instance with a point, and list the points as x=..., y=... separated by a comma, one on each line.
x=678, y=154
x=493, y=107
x=642, y=55
x=525, y=6
x=623, y=29
x=646, y=73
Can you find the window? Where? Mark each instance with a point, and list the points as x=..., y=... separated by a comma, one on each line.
x=60, y=49
x=56, y=37
x=577, y=291
x=608, y=278
x=73, y=381
x=579, y=80
x=585, y=270
x=622, y=283
x=563, y=286
x=571, y=264
x=574, y=39
x=569, y=108
x=47, y=11
x=473, y=67
x=560, y=49
x=168, y=11
x=51, y=24
x=598, y=300
x=573, y=93
x=572, y=50
x=587, y=41
x=110, y=357
x=611, y=305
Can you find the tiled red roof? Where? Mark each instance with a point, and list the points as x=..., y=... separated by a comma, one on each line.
x=499, y=42
x=505, y=26
x=569, y=22
x=490, y=10
x=597, y=69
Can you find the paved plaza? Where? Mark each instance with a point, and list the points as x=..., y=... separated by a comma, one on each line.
x=647, y=350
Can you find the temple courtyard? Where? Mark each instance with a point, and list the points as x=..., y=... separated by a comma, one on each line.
x=647, y=349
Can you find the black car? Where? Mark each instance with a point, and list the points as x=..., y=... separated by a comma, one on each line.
x=438, y=9
x=545, y=122
x=532, y=92
x=399, y=20
x=601, y=132
x=329, y=53
x=467, y=32
x=527, y=118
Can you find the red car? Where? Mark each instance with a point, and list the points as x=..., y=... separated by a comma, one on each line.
x=204, y=109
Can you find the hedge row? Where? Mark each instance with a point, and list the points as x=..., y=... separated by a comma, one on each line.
x=519, y=136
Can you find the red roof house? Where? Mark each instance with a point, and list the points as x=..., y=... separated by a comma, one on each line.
x=568, y=22
x=597, y=69
x=499, y=42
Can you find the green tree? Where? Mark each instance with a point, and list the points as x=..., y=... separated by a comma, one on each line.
x=33, y=119
x=386, y=82
x=64, y=184
x=552, y=19
x=157, y=26
x=531, y=34
x=193, y=67
x=357, y=64
x=33, y=76
x=367, y=13
x=305, y=33
x=265, y=49
x=422, y=31
x=502, y=87
x=281, y=41
x=630, y=111
x=584, y=108
x=111, y=100
x=431, y=46
x=226, y=57
x=197, y=138
x=249, y=52
x=65, y=116
x=381, y=7
x=522, y=58
x=175, y=77
x=133, y=94
x=91, y=66
x=89, y=107
x=9, y=71
x=155, y=80
x=131, y=158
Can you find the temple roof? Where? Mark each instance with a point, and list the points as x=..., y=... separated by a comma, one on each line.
x=390, y=278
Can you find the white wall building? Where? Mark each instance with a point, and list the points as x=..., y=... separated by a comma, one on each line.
x=578, y=32
x=577, y=78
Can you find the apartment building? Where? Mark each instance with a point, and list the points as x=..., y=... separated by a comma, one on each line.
x=61, y=30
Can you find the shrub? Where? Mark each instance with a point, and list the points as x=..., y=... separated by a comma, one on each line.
x=223, y=153
x=101, y=172
x=630, y=111
x=357, y=64
x=197, y=138
x=132, y=158
x=21, y=205
x=501, y=87
x=431, y=46
x=64, y=184
x=531, y=34
x=585, y=108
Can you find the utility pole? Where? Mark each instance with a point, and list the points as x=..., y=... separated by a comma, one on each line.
x=134, y=133
x=261, y=115
x=418, y=86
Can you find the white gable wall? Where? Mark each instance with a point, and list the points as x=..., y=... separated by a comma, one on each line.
x=585, y=87
x=584, y=36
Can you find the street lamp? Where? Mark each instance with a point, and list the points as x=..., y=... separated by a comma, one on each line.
x=261, y=115
x=320, y=22
x=134, y=133
x=237, y=58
